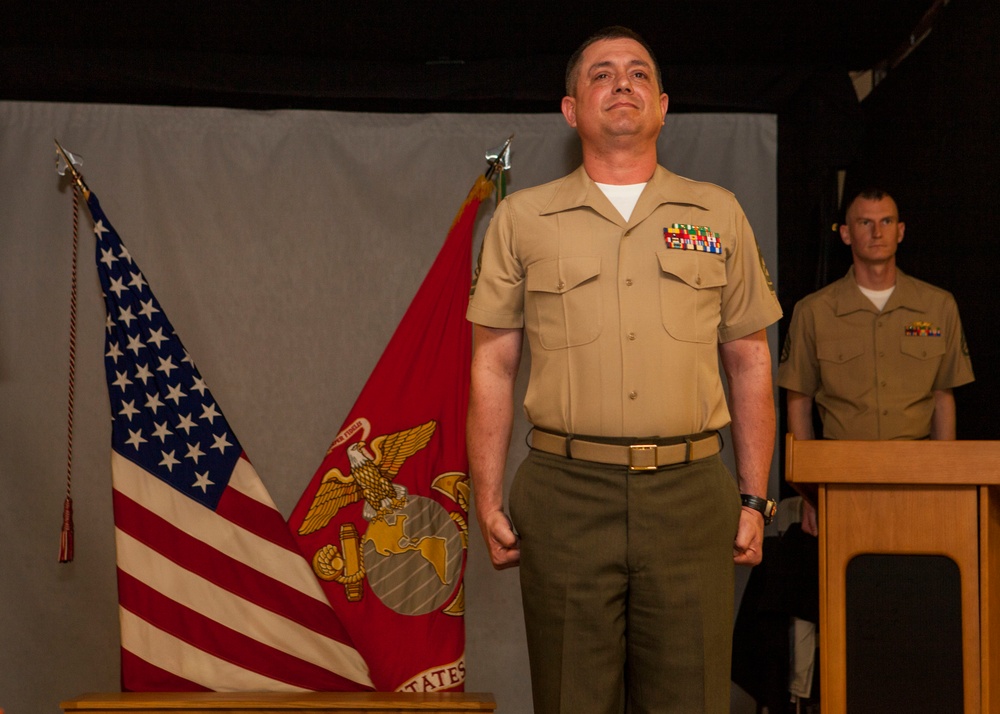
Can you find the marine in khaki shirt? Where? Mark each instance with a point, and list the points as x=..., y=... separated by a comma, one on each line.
x=878, y=352
x=626, y=569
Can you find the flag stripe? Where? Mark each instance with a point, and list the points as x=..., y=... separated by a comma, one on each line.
x=246, y=504
x=219, y=569
x=138, y=675
x=203, y=524
x=190, y=661
x=224, y=643
x=198, y=594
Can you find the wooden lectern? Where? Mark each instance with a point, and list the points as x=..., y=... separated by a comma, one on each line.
x=907, y=497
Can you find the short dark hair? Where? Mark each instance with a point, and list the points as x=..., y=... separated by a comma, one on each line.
x=613, y=32
x=869, y=193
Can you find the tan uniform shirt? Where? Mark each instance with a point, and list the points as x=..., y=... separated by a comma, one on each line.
x=623, y=329
x=872, y=374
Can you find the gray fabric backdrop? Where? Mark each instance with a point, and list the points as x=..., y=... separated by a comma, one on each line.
x=285, y=247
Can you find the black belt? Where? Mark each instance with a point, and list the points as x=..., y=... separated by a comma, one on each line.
x=638, y=457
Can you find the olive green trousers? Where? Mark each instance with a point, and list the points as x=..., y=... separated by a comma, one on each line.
x=627, y=584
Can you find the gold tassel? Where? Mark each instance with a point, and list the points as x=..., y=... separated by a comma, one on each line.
x=479, y=191
x=66, y=540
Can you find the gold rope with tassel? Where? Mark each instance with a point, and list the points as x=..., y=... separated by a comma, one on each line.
x=66, y=538
x=66, y=544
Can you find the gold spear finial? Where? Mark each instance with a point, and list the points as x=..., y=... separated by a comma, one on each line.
x=499, y=158
x=68, y=160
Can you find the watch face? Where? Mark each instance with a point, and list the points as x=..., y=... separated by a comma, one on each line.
x=770, y=510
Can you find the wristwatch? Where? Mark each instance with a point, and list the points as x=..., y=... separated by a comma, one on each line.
x=765, y=506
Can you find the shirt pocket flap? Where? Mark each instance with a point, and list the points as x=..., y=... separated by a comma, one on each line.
x=922, y=347
x=560, y=275
x=839, y=351
x=699, y=270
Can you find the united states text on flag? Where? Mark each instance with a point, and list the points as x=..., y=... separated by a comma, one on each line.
x=213, y=592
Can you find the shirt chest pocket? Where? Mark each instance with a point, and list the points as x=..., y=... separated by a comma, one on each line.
x=563, y=301
x=843, y=367
x=691, y=285
x=839, y=352
x=921, y=358
x=922, y=347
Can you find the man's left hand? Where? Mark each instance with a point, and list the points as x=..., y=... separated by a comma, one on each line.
x=748, y=548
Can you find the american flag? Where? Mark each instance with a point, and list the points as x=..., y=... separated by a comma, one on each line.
x=213, y=591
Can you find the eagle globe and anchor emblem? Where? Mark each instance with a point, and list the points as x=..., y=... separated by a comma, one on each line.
x=412, y=549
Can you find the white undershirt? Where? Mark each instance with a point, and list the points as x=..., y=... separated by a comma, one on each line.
x=878, y=297
x=622, y=197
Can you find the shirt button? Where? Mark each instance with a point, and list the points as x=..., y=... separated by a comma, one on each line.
x=697, y=280
x=882, y=383
x=885, y=412
x=628, y=281
x=560, y=285
x=633, y=395
x=881, y=354
x=631, y=335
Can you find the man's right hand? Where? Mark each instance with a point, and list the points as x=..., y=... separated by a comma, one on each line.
x=501, y=540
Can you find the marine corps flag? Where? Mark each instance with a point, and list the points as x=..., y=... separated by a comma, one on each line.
x=383, y=520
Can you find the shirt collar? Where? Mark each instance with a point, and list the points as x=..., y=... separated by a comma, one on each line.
x=849, y=297
x=578, y=190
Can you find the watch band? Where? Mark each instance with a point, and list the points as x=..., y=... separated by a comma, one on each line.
x=764, y=506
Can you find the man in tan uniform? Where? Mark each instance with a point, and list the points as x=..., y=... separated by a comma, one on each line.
x=629, y=282
x=877, y=351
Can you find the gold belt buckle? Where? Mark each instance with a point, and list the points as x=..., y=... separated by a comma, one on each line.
x=642, y=457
